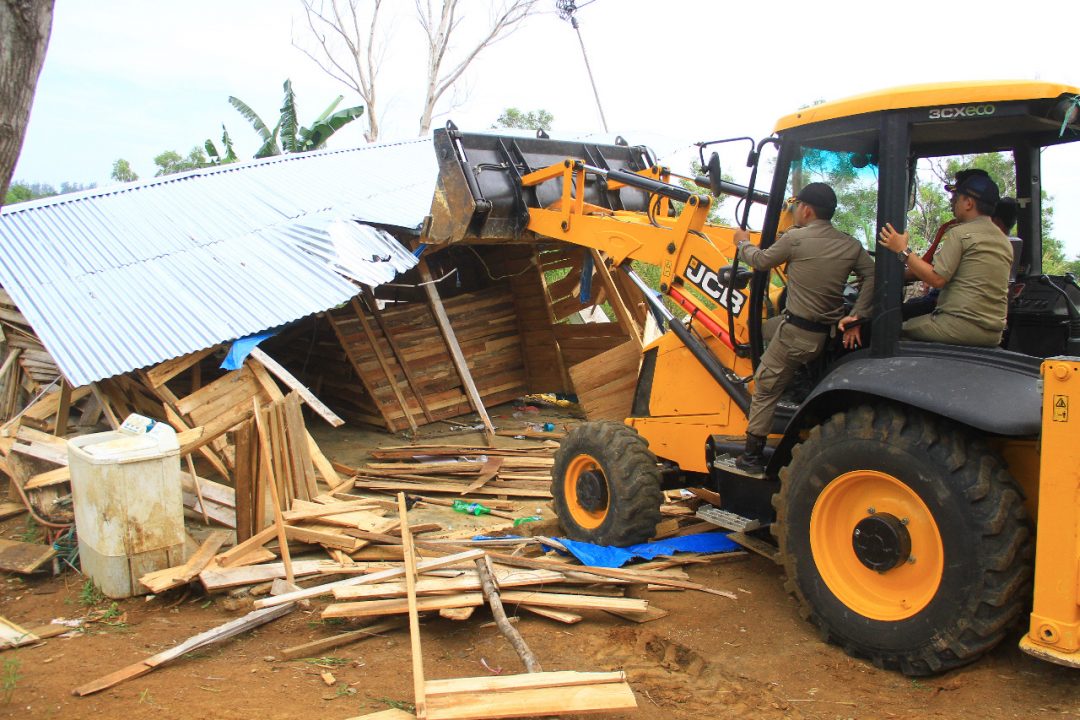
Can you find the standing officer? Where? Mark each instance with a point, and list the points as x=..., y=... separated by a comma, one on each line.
x=819, y=260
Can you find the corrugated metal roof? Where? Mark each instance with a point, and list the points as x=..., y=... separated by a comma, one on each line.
x=119, y=278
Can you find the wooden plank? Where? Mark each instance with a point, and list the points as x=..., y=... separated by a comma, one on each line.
x=163, y=372
x=502, y=683
x=532, y=702
x=41, y=451
x=322, y=464
x=465, y=556
x=161, y=580
x=563, y=616
x=45, y=479
x=466, y=582
x=626, y=320
x=391, y=714
x=11, y=509
x=244, y=479
x=291, y=382
x=605, y=384
x=299, y=443
x=420, y=701
x=357, y=365
x=435, y=302
x=279, y=524
x=214, y=579
x=24, y=557
x=323, y=535
x=398, y=354
x=217, y=634
x=400, y=606
x=391, y=378
x=255, y=541
x=567, y=601
x=316, y=648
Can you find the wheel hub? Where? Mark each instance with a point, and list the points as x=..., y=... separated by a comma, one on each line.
x=881, y=542
x=591, y=491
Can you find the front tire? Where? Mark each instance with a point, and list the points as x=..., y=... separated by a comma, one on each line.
x=606, y=485
x=904, y=542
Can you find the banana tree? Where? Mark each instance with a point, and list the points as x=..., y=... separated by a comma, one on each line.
x=287, y=135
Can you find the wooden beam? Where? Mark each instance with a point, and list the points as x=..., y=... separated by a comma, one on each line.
x=390, y=379
x=398, y=354
x=626, y=320
x=279, y=523
x=292, y=383
x=414, y=616
x=455, y=349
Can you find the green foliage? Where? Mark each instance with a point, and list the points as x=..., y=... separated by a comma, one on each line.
x=123, y=172
x=216, y=158
x=288, y=135
x=171, y=162
x=90, y=594
x=10, y=676
x=516, y=119
x=31, y=532
x=22, y=191
x=397, y=704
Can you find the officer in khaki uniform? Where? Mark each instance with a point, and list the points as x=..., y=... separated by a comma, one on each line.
x=971, y=267
x=819, y=260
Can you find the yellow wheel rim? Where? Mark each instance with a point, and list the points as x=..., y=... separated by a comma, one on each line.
x=891, y=595
x=576, y=474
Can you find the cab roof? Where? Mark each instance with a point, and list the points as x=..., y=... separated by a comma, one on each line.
x=927, y=95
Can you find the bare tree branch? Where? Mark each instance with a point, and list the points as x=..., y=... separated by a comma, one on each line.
x=335, y=24
x=508, y=17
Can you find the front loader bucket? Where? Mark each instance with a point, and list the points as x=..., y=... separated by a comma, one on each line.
x=479, y=196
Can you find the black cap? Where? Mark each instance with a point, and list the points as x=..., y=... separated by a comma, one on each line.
x=980, y=187
x=963, y=175
x=818, y=195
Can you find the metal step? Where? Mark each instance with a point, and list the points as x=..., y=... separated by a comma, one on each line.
x=727, y=520
x=727, y=464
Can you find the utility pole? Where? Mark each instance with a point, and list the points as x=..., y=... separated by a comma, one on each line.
x=566, y=9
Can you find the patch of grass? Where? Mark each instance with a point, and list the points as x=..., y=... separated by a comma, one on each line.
x=31, y=532
x=397, y=704
x=90, y=594
x=9, y=677
x=328, y=660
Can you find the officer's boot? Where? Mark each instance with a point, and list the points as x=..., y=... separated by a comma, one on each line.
x=753, y=458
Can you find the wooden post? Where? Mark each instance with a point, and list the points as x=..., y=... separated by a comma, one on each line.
x=455, y=350
x=626, y=320
x=398, y=354
x=286, y=377
x=63, y=410
x=414, y=616
x=264, y=448
x=370, y=335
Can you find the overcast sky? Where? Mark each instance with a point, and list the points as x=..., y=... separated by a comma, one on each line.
x=131, y=78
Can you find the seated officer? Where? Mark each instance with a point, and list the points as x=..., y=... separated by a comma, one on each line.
x=970, y=268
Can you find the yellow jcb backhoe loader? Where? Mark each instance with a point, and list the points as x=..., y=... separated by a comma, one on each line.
x=923, y=497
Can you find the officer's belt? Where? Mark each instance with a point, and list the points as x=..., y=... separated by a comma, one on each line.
x=808, y=325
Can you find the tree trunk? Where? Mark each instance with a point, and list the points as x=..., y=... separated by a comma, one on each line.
x=24, y=36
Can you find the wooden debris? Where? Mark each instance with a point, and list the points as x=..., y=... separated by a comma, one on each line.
x=214, y=635
x=24, y=558
x=316, y=647
x=161, y=580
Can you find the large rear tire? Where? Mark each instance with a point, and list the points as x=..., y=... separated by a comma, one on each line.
x=606, y=485
x=904, y=542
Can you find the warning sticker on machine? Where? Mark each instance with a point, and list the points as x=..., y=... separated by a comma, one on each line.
x=1061, y=408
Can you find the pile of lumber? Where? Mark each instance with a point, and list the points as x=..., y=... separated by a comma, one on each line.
x=459, y=470
x=449, y=579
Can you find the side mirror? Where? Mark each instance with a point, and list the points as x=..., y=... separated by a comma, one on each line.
x=713, y=181
x=742, y=277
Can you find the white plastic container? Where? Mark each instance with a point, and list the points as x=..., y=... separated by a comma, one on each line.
x=129, y=508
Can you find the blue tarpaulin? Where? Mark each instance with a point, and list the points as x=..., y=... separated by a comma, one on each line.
x=613, y=557
x=241, y=348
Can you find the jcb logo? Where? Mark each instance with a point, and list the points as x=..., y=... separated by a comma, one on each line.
x=956, y=113
x=709, y=283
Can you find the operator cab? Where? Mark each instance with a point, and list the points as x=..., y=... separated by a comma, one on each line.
x=888, y=154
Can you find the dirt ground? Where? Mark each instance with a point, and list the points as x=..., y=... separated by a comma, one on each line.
x=711, y=657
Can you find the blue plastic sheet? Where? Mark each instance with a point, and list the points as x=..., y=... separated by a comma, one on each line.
x=242, y=348
x=613, y=557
